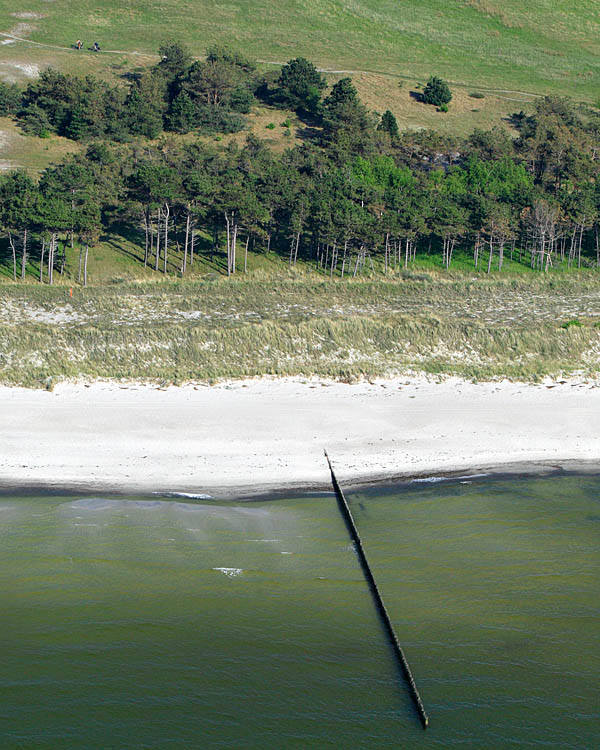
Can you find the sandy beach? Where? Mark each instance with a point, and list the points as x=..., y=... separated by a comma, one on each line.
x=245, y=436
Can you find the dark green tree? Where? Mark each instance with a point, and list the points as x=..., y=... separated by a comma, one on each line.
x=146, y=105
x=388, y=124
x=300, y=85
x=18, y=203
x=10, y=98
x=437, y=92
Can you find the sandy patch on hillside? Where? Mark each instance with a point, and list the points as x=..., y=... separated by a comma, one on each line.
x=13, y=72
x=22, y=29
x=26, y=15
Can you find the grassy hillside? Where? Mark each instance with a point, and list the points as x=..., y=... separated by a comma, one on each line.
x=503, y=50
x=539, y=46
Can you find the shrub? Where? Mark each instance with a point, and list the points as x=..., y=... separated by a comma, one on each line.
x=575, y=323
x=477, y=95
x=443, y=108
x=437, y=92
x=270, y=126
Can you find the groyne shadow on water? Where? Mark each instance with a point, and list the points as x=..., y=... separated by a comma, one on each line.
x=378, y=600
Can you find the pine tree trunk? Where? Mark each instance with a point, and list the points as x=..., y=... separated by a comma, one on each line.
x=14, y=255
x=228, y=245
x=157, y=239
x=85, y=264
x=42, y=253
x=297, y=246
x=489, y=268
x=166, y=241
x=24, y=256
x=51, y=259
x=187, y=234
x=145, y=215
x=234, y=247
x=386, y=251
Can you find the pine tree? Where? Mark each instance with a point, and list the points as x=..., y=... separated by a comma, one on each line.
x=437, y=92
x=388, y=124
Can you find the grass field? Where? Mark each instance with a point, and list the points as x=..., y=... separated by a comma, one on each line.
x=506, y=50
x=539, y=46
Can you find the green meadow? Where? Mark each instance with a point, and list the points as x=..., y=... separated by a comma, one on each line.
x=541, y=46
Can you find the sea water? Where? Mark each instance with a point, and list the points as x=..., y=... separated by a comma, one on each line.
x=149, y=623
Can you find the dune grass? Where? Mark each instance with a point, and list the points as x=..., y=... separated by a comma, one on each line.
x=175, y=332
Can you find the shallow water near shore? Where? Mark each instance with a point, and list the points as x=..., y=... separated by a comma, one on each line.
x=148, y=623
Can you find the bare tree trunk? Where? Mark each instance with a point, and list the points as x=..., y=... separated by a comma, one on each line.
x=14, y=255
x=85, y=264
x=145, y=215
x=386, y=251
x=234, y=247
x=246, y=255
x=80, y=262
x=489, y=268
x=51, y=258
x=228, y=245
x=42, y=253
x=297, y=246
x=24, y=256
x=187, y=234
x=156, y=257
x=166, y=241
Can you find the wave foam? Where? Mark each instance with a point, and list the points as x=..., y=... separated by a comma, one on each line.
x=230, y=572
x=188, y=495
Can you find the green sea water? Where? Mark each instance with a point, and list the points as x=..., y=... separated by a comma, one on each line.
x=165, y=623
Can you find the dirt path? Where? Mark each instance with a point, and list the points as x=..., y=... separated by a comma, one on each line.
x=277, y=62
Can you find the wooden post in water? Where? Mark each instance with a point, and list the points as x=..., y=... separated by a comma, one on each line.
x=380, y=606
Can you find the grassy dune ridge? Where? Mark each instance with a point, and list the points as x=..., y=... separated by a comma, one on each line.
x=204, y=331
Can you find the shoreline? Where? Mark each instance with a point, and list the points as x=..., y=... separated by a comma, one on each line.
x=266, y=437
x=273, y=491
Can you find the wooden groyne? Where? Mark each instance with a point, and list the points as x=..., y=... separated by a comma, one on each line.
x=380, y=606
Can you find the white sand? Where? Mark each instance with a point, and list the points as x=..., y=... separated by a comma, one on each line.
x=271, y=433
